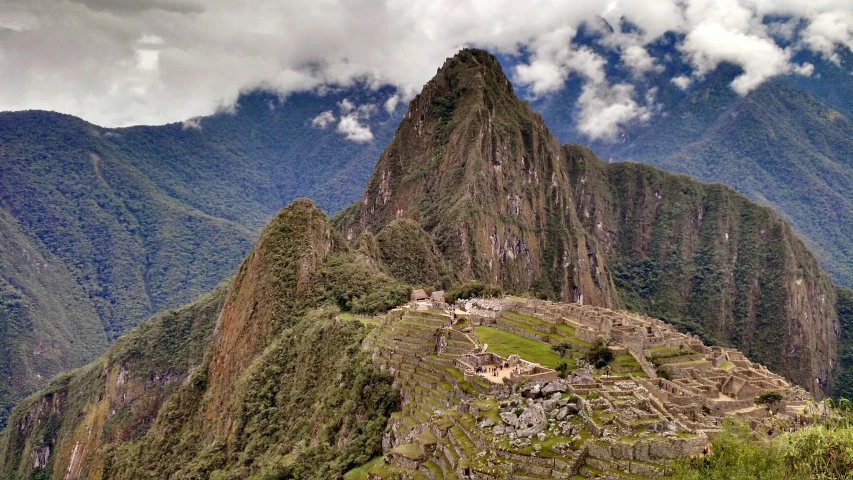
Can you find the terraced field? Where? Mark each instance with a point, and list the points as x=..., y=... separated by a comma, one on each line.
x=451, y=426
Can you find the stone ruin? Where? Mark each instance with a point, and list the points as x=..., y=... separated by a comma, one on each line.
x=526, y=422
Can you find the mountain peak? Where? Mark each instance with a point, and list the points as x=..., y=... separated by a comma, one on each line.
x=472, y=164
x=472, y=67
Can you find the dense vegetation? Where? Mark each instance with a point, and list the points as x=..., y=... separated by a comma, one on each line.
x=138, y=372
x=100, y=228
x=280, y=390
x=844, y=371
x=409, y=253
x=815, y=452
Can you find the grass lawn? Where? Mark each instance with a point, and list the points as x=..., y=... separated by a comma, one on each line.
x=505, y=344
x=564, y=329
x=360, y=473
x=364, y=320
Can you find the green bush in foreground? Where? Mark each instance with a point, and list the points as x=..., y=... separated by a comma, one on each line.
x=815, y=452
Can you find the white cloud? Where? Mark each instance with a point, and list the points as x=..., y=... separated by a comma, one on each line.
x=711, y=43
x=346, y=106
x=681, y=81
x=604, y=108
x=120, y=62
x=638, y=59
x=191, y=124
x=353, y=129
x=324, y=119
x=827, y=30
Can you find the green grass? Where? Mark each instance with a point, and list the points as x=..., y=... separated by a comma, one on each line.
x=408, y=450
x=360, y=318
x=561, y=327
x=506, y=343
x=360, y=473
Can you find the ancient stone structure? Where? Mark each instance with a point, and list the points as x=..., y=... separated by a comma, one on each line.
x=470, y=413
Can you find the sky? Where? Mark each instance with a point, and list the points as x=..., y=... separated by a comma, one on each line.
x=128, y=62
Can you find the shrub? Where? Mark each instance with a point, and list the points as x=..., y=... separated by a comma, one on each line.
x=563, y=369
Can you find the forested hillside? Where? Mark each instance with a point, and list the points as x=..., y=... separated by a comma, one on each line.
x=103, y=227
x=787, y=144
x=259, y=378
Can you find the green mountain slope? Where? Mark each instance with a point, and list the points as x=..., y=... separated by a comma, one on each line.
x=257, y=379
x=104, y=227
x=780, y=145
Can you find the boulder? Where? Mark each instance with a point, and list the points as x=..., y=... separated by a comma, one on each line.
x=532, y=421
x=486, y=423
x=509, y=418
x=532, y=391
x=554, y=387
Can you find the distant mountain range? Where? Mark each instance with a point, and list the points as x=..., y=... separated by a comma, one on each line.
x=787, y=144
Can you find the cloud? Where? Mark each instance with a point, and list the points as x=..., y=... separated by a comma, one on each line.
x=324, y=119
x=681, y=81
x=346, y=106
x=191, y=124
x=353, y=129
x=827, y=30
x=352, y=122
x=604, y=108
x=122, y=62
x=711, y=43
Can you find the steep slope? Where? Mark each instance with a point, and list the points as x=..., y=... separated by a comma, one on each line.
x=483, y=175
x=46, y=326
x=786, y=144
x=507, y=205
x=708, y=259
x=113, y=399
x=104, y=227
x=259, y=378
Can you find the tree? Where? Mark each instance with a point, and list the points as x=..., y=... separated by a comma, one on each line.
x=562, y=348
x=599, y=355
x=769, y=399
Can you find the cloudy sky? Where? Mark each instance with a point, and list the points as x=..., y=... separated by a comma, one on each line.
x=124, y=62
